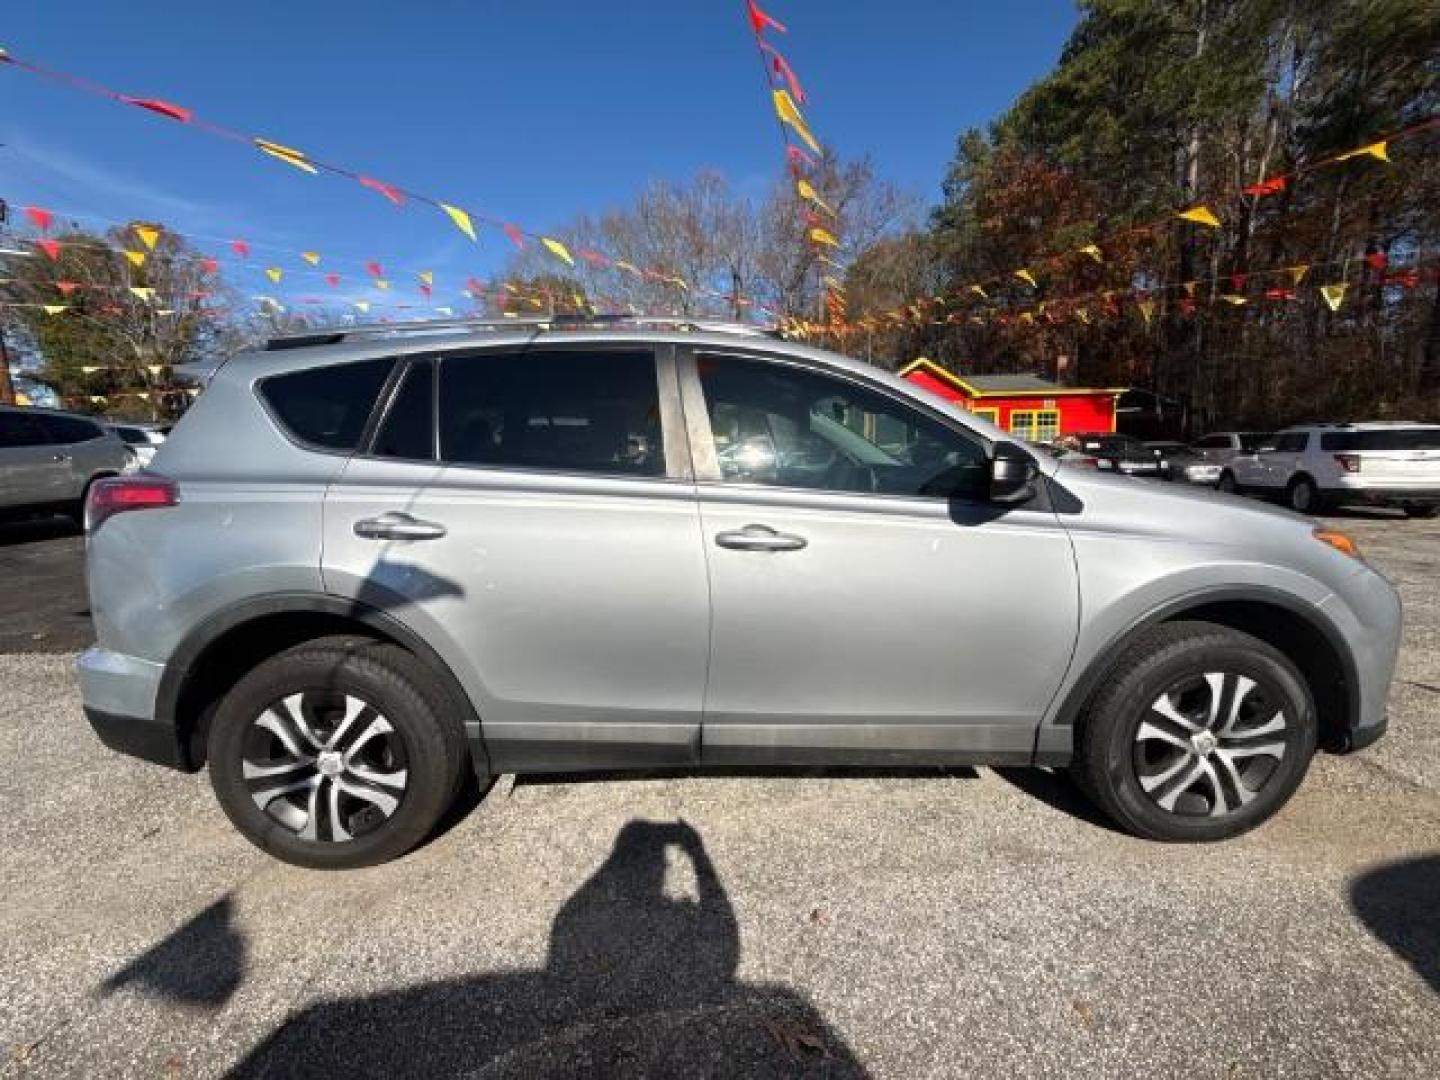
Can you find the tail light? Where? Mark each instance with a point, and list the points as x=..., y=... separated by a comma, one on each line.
x=117, y=494
x=1349, y=462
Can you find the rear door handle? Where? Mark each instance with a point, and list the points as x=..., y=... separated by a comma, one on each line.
x=759, y=538
x=398, y=526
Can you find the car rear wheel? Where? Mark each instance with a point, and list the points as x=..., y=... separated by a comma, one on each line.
x=1201, y=733
x=333, y=754
x=1303, y=496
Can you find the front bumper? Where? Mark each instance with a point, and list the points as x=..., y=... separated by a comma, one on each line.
x=1365, y=608
x=119, y=692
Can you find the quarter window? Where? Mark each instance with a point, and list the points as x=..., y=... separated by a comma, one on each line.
x=785, y=426
x=570, y=411
x=1035, y=425
x=327, y=406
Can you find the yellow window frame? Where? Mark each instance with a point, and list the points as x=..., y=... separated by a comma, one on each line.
x=991, y=414
x=1036, y=425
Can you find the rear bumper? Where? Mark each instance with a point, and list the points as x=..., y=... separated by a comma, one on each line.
x=118, y=692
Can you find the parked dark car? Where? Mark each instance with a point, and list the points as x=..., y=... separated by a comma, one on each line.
x=1120, y=453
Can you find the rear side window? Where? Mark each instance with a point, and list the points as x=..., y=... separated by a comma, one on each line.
x=1250, y=441
x=69, y=429
x=1291, y=442
x=1417, y=438
x=408, y=430
x=327, y=407
x=1214, y=442
x=570, y=411
x=17, y=429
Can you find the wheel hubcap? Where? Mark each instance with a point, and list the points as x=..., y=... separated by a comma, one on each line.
x=1209, y=744
x=327, y=766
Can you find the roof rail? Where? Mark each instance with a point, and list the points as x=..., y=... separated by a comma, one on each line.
x=336, y=334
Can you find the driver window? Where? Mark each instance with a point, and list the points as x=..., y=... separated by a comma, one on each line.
x=785, y=426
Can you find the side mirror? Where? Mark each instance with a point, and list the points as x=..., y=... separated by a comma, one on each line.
x=1012, y=474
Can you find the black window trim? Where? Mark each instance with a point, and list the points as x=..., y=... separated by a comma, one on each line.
x=389, y=395
x=702, y=438
x=678, y=467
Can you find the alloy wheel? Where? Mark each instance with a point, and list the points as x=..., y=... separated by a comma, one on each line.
x=1209, y=744
x=327, y=766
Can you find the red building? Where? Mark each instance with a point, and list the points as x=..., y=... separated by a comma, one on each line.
x=1027, y=406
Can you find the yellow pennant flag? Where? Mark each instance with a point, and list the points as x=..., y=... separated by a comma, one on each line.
x=1082, y=315
x=362, y=306
x=807, y=191
x=1200, y=215
x=381, y=283
x=1147, y=310
x=1297, y=273
x=427, y=276
x=786, y=110
x=978, y=291
x=1334, y=295
x=311, y=257
x=820, y=236
x=90, y=369
x=1027, y=277
x=137, y=258
x=148, y=235
x=559, y=250
x=144, y=293
x=155, y=369
x=55, y=309
x=1378, y=150
x=1233, y=298
x=1026, y=317
x=287, y=155
x=1189, y=288
x=460, y=218
x=1093, y=251
x=274, y=273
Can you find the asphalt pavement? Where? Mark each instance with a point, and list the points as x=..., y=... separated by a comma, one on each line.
x=960, y=923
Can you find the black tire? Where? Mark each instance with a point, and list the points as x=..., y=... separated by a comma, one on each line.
x=1123, y=771
x=411, y=736
x=1302, y=496
x=1226, y=483
x=1417, y=510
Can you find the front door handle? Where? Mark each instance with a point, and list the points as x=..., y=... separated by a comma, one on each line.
x=397, y=526
x=759, y=538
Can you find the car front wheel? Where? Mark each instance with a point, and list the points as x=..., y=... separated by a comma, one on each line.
x=333, y=755
x=1201, y=733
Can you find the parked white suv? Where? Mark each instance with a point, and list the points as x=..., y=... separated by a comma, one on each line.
x=1321, y=465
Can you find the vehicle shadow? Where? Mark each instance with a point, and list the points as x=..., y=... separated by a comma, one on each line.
x=1055, y=789
x=638, y=982
x=1400, y=904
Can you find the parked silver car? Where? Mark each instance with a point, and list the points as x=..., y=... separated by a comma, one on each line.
x=48, y=460
x=368, y=561
x=143, y=439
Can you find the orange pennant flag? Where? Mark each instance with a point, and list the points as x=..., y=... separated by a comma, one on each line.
x=789, y=113
x=1334, y=295
x=287, y=155
x=148, y=235
x=460, y=218
x=559, y=250
x=311, y=257
x=137, y=258
x=1378, y=150
x=1200, y=215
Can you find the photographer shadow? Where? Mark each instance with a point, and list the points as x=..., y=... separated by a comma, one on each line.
x=638, y=982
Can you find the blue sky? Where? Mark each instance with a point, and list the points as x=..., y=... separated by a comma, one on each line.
x=531, y=111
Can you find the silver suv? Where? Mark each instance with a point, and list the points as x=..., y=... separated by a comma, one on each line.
x=49, y=459
x=370, y=562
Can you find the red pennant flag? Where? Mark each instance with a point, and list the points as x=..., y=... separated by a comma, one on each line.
x=1279, y=294
x=241, y=248
x=425, y=290
x=785, y=71
x=375, y=269
x=1272, y=186
x=209, y=266
x=759, y=20
x=1237, y=282
x=332, y=279
x=41, y=218
x=799, y=157
x=1187, y=306
x=50, y=247
x=594, y=258
x=516, y=236
x=164, y=108
x=67, y=287
x=1408, y=278
x=474, y=288
x=390, y=192
x=1377, y=260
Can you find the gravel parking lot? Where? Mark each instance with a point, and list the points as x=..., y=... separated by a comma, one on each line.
x=927, y=924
